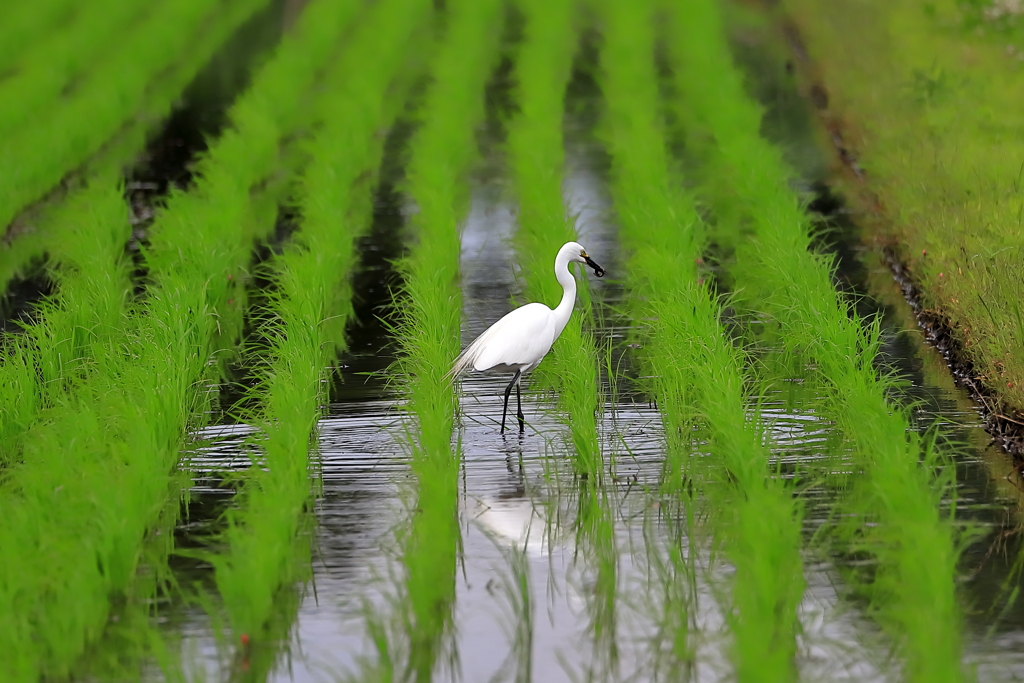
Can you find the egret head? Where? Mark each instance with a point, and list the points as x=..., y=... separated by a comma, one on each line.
x=579, y=254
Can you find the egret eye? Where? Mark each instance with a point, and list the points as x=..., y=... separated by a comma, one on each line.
x=583, y=254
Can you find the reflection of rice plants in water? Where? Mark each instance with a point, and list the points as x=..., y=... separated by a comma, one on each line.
x=777, y=272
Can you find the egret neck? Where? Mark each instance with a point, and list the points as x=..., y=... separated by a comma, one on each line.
x=568, y=282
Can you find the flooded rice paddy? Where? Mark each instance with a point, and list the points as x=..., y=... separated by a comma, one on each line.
x=313, y=525
x=530, y=601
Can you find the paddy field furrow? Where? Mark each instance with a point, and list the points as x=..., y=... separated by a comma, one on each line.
x=74, y=542
x=696, y=372
x=777, y=272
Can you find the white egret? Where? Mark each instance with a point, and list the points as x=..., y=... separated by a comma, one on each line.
x=521, y=339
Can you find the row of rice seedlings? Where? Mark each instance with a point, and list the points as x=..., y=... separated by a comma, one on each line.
x=36, y=230
x=68, y=550
x=113, y=90
x=51, y=65
x=70, y=229
x=912, y=588
x=24, y=23
x=692, y=359
x=537, y=158
x=91, y=273
x=310, y=308
x=442, y=152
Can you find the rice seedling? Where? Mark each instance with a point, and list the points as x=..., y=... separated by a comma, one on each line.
x=34, y=231
x=51, y=65
x=537, y=159
x=111, y=93
x=91, y=275
x=692, y=359
x=913, y=586
x=310, y=307
x=24, y=23
x=442, y=151
x=70, y=549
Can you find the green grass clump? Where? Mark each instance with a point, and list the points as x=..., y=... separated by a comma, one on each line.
x=73, y=541
x=442, y=152
x=52, y=64
x=694, y=366
x=942, y=183
x=113, y=91
x=311, y=305
x=537, y=158
x=777, y=272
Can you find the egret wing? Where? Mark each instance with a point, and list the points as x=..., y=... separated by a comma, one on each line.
x=522, y=337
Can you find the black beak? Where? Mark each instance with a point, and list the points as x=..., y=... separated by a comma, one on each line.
x=598, y=270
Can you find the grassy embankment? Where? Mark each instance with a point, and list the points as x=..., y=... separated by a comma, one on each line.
x=442, y=152
x=74, y=543
x=537, y=158
x=696, y=371
x=927, y=97
x=104, y=122
x=311, y=303
x=57, y=60
x=777, y=273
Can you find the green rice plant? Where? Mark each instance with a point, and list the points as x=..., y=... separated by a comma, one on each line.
x=24, y=23
x=537, y=159
x=692, y=359
x=777, y=272
x=72, y=543
x=442, y=152
x=91, y=274
x=38, y=229
x=113, y=91
x=51, y=65
x=310, y=307
x=90, y=270
x=20, y=395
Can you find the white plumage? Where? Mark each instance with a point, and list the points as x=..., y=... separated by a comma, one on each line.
x=520, y=340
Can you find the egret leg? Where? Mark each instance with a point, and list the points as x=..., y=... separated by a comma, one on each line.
x=519, y=413
x=508, y=391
